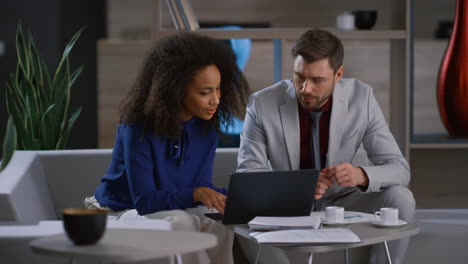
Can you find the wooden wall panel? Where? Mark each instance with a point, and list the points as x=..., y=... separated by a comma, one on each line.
x=118, y=66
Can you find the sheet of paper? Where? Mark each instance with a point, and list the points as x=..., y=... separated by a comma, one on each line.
x=292, y=222
x=307, y=236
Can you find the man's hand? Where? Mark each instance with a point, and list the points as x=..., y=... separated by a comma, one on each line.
x=322, y=185
x=210, y=198
x=346, y=175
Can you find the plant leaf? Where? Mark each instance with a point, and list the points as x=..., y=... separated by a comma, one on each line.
x=75, y=75
x=21, y=51
x=66, y=91
x=44, y=127
x=73, y=118
x=9, y=143
x=67, y=51
x=64, y=139
x=71, y=44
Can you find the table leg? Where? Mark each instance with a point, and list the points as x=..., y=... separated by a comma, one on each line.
x=387, y=253
x=258, y=253
x=311, y=255
x=346, y=256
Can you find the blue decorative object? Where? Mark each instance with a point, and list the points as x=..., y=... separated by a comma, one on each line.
x=241, y=48
x=235, y=128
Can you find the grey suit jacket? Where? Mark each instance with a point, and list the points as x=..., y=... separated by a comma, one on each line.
x=270, y=138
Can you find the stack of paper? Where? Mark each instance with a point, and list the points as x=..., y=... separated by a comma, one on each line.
x=298, y=237
x=281, y=223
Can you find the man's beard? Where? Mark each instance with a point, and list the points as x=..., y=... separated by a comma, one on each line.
x=318, y=103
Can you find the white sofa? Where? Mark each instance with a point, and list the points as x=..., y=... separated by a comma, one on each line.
x=38, y=185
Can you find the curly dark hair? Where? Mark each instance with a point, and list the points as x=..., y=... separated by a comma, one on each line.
x=158, y=92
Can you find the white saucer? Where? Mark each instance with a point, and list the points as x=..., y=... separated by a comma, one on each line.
x=379, y=224
x=335, y=223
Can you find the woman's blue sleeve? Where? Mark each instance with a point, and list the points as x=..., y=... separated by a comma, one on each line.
x=139, y=166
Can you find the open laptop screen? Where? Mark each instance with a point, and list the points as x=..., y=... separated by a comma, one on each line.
x=269, y=193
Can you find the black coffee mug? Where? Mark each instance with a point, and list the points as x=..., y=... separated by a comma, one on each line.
x=364, y=19
x=84, y=226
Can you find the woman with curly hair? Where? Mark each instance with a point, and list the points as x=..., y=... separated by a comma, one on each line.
x=162, y=161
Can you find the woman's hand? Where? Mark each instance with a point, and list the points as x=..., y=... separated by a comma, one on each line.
x=210, y=198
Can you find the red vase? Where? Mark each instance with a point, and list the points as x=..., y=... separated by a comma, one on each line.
x=452, y=84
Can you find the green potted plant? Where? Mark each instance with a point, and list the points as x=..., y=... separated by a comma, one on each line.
x=38, y=103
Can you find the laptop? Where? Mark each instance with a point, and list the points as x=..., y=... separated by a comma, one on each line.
x=268, y=193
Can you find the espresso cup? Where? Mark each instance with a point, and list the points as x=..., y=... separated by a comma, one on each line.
x=387, y=216
x=334, y=214
x=345, y=21
x=84, y=226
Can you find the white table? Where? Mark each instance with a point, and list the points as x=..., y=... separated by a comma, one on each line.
x=368, y=233
x=124, y=245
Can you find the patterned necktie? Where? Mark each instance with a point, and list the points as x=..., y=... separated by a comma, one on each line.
x=315, y=139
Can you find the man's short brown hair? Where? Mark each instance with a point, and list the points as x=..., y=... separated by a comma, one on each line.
x=317, y=44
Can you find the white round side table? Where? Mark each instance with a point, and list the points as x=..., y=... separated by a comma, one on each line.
x=126, y=245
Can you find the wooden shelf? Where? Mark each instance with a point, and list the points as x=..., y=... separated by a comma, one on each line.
x=292, y=33
x=439, y=145
x=438, y=141
x=271, y=33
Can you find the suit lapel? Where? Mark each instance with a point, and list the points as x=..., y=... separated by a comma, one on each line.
x=290, y=124
x=337, y=120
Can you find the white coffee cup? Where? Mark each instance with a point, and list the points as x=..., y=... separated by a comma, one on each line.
x=334, y=214
x=345, y=21
x=387, y=216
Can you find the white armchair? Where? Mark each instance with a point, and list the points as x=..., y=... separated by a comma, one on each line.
x=38, y=185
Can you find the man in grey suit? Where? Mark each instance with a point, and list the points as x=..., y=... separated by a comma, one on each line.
x=277, y=136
